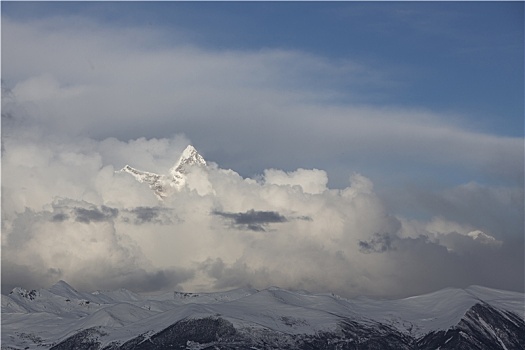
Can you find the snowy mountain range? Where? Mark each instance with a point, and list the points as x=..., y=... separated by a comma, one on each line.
x=162, y=185
x=63, y=318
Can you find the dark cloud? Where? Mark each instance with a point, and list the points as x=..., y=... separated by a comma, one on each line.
x=146, y=214
x=156, y=215
x=95, y=214
x=59, y=217
x=139, y=215
x=381, y=242
x=253, y=220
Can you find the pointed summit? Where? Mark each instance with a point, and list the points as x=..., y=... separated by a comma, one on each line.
x=163, y=185
x=189, y=157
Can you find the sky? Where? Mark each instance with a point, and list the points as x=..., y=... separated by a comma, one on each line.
x=360, y=148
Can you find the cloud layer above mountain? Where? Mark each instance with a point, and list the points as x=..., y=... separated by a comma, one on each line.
x=68, y=215
x=299, y=209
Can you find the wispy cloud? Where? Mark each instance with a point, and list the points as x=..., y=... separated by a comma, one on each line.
x=94, y=214
x=89, y=86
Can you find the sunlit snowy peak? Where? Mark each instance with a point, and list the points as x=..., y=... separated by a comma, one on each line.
x=162, y=185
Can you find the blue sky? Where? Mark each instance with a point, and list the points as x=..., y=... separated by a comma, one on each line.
x=417, y=106
x=459, y=57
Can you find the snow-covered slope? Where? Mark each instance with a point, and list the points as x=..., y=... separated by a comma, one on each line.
x=63, y=318
x=163, y=185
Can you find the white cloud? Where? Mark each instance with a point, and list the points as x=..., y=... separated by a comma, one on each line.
x=44, y=87
x=311, y=181
x=67, y=214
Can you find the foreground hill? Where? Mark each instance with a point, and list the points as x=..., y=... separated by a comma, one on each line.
x=62, y=318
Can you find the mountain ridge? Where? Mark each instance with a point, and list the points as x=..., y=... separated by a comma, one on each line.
x=61, y=317
x=163, y=185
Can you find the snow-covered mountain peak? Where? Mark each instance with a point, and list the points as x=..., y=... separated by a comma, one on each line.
x=162, y=185
x=189, y=157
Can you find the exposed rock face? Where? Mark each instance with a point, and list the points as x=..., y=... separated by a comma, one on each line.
x=482, y=327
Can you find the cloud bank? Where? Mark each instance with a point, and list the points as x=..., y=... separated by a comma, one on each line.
x=68, y=215
x=83, y=99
